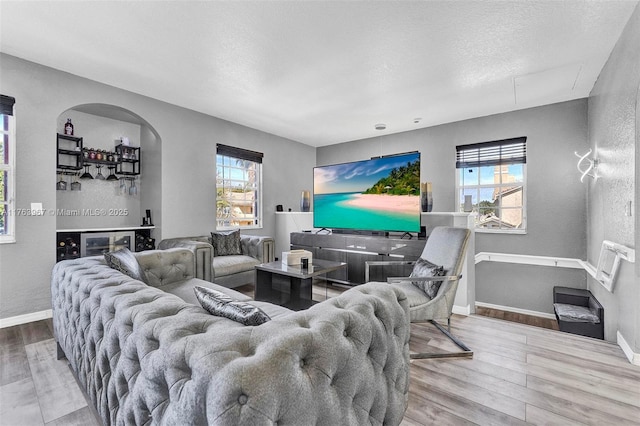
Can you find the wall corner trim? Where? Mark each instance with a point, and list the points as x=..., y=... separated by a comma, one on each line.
x=528, y=259
x=23, y=319
x=558, y=262
x=633, y=357
x=462, y=310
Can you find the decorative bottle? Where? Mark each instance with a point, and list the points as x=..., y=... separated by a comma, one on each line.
x=68, y=128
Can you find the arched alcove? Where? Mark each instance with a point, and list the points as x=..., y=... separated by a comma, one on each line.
x=110, y=203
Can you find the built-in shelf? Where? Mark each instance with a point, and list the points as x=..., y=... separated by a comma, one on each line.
x=288, y=222
x=75, y=243
x=104, y=162
x=119, y=228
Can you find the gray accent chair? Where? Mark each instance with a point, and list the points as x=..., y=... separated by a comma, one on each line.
x=445, y=246
x=144, y=355
x=229, y=271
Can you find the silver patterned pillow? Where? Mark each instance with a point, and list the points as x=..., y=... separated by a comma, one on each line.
x=226, y=242
x=124, y=261
x=424, y=268
x=221, y=305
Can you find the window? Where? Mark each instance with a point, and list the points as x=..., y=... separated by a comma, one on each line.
x=238, y=187
x=7, y=170
x=494, y=175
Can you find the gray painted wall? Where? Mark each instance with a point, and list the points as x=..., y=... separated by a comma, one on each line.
x=556, y=199
x=186, y=191
x=612, y=134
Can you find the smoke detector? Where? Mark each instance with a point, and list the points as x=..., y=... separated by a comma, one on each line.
x=381, y=126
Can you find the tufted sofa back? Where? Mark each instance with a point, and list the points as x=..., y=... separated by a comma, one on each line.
x=167, y=266
x=147, y=357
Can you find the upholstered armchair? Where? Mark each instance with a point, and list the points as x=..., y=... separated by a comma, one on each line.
x=227, y=270
x=431, y=287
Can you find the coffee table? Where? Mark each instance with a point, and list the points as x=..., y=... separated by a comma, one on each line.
x=290, y=286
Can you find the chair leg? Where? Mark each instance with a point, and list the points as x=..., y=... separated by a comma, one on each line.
x=466, y=352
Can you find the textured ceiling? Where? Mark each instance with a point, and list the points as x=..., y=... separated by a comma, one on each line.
x=324, y=72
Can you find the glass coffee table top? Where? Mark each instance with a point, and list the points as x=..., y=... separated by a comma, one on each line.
x=318, y=267
x=291, y=285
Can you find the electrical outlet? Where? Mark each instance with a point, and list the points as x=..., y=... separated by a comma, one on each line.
x=36, y=209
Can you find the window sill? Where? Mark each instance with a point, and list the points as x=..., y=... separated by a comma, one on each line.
x=502, y=231
x=232, y=228
x=8, y=240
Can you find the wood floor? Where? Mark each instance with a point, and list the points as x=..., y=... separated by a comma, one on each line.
x=519, y=375
x=519, y=318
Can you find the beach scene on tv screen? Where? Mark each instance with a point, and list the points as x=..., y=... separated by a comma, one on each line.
x=382, y=194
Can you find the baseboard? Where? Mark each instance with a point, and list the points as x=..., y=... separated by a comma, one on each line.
x=23, y=319
x=633, y=357
x=461, y=310
x=516, y=310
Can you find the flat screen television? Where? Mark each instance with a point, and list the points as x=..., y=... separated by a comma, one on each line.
x=381, y=194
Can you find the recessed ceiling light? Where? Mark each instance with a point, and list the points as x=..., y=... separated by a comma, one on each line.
x=381, y=126
x=417, y=120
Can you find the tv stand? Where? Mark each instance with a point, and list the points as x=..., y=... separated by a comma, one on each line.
x=359, y=232
x=355, y=250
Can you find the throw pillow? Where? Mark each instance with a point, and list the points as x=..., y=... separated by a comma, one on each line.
x=221, y=305
x=226, y=242
x=424, y=268
x=124, y=261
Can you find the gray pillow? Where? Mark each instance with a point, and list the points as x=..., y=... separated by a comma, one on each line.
x=424, y=268
x=574, y=313
x=124, y=261
x=226, y=243
x=221, y=305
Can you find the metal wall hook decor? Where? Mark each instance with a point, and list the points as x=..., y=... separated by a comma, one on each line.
x=587, y=166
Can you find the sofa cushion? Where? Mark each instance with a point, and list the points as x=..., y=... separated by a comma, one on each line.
x=226, y=243
x=424, y=268
x=228, y=265
x=274, y=311
x=124, y=261
x=575, y=313
x=185, y=290
x=219, y=304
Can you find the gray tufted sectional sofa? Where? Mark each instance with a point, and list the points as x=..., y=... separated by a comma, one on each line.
x=144, y=355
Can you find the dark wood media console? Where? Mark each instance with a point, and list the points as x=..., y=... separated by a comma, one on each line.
x=355, y=250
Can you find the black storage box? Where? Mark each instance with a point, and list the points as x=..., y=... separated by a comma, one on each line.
x=582, y=300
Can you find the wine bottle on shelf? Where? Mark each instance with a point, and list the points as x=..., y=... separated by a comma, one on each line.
x=68, y=128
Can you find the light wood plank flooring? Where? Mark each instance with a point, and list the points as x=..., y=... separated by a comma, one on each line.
x=519, y=374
